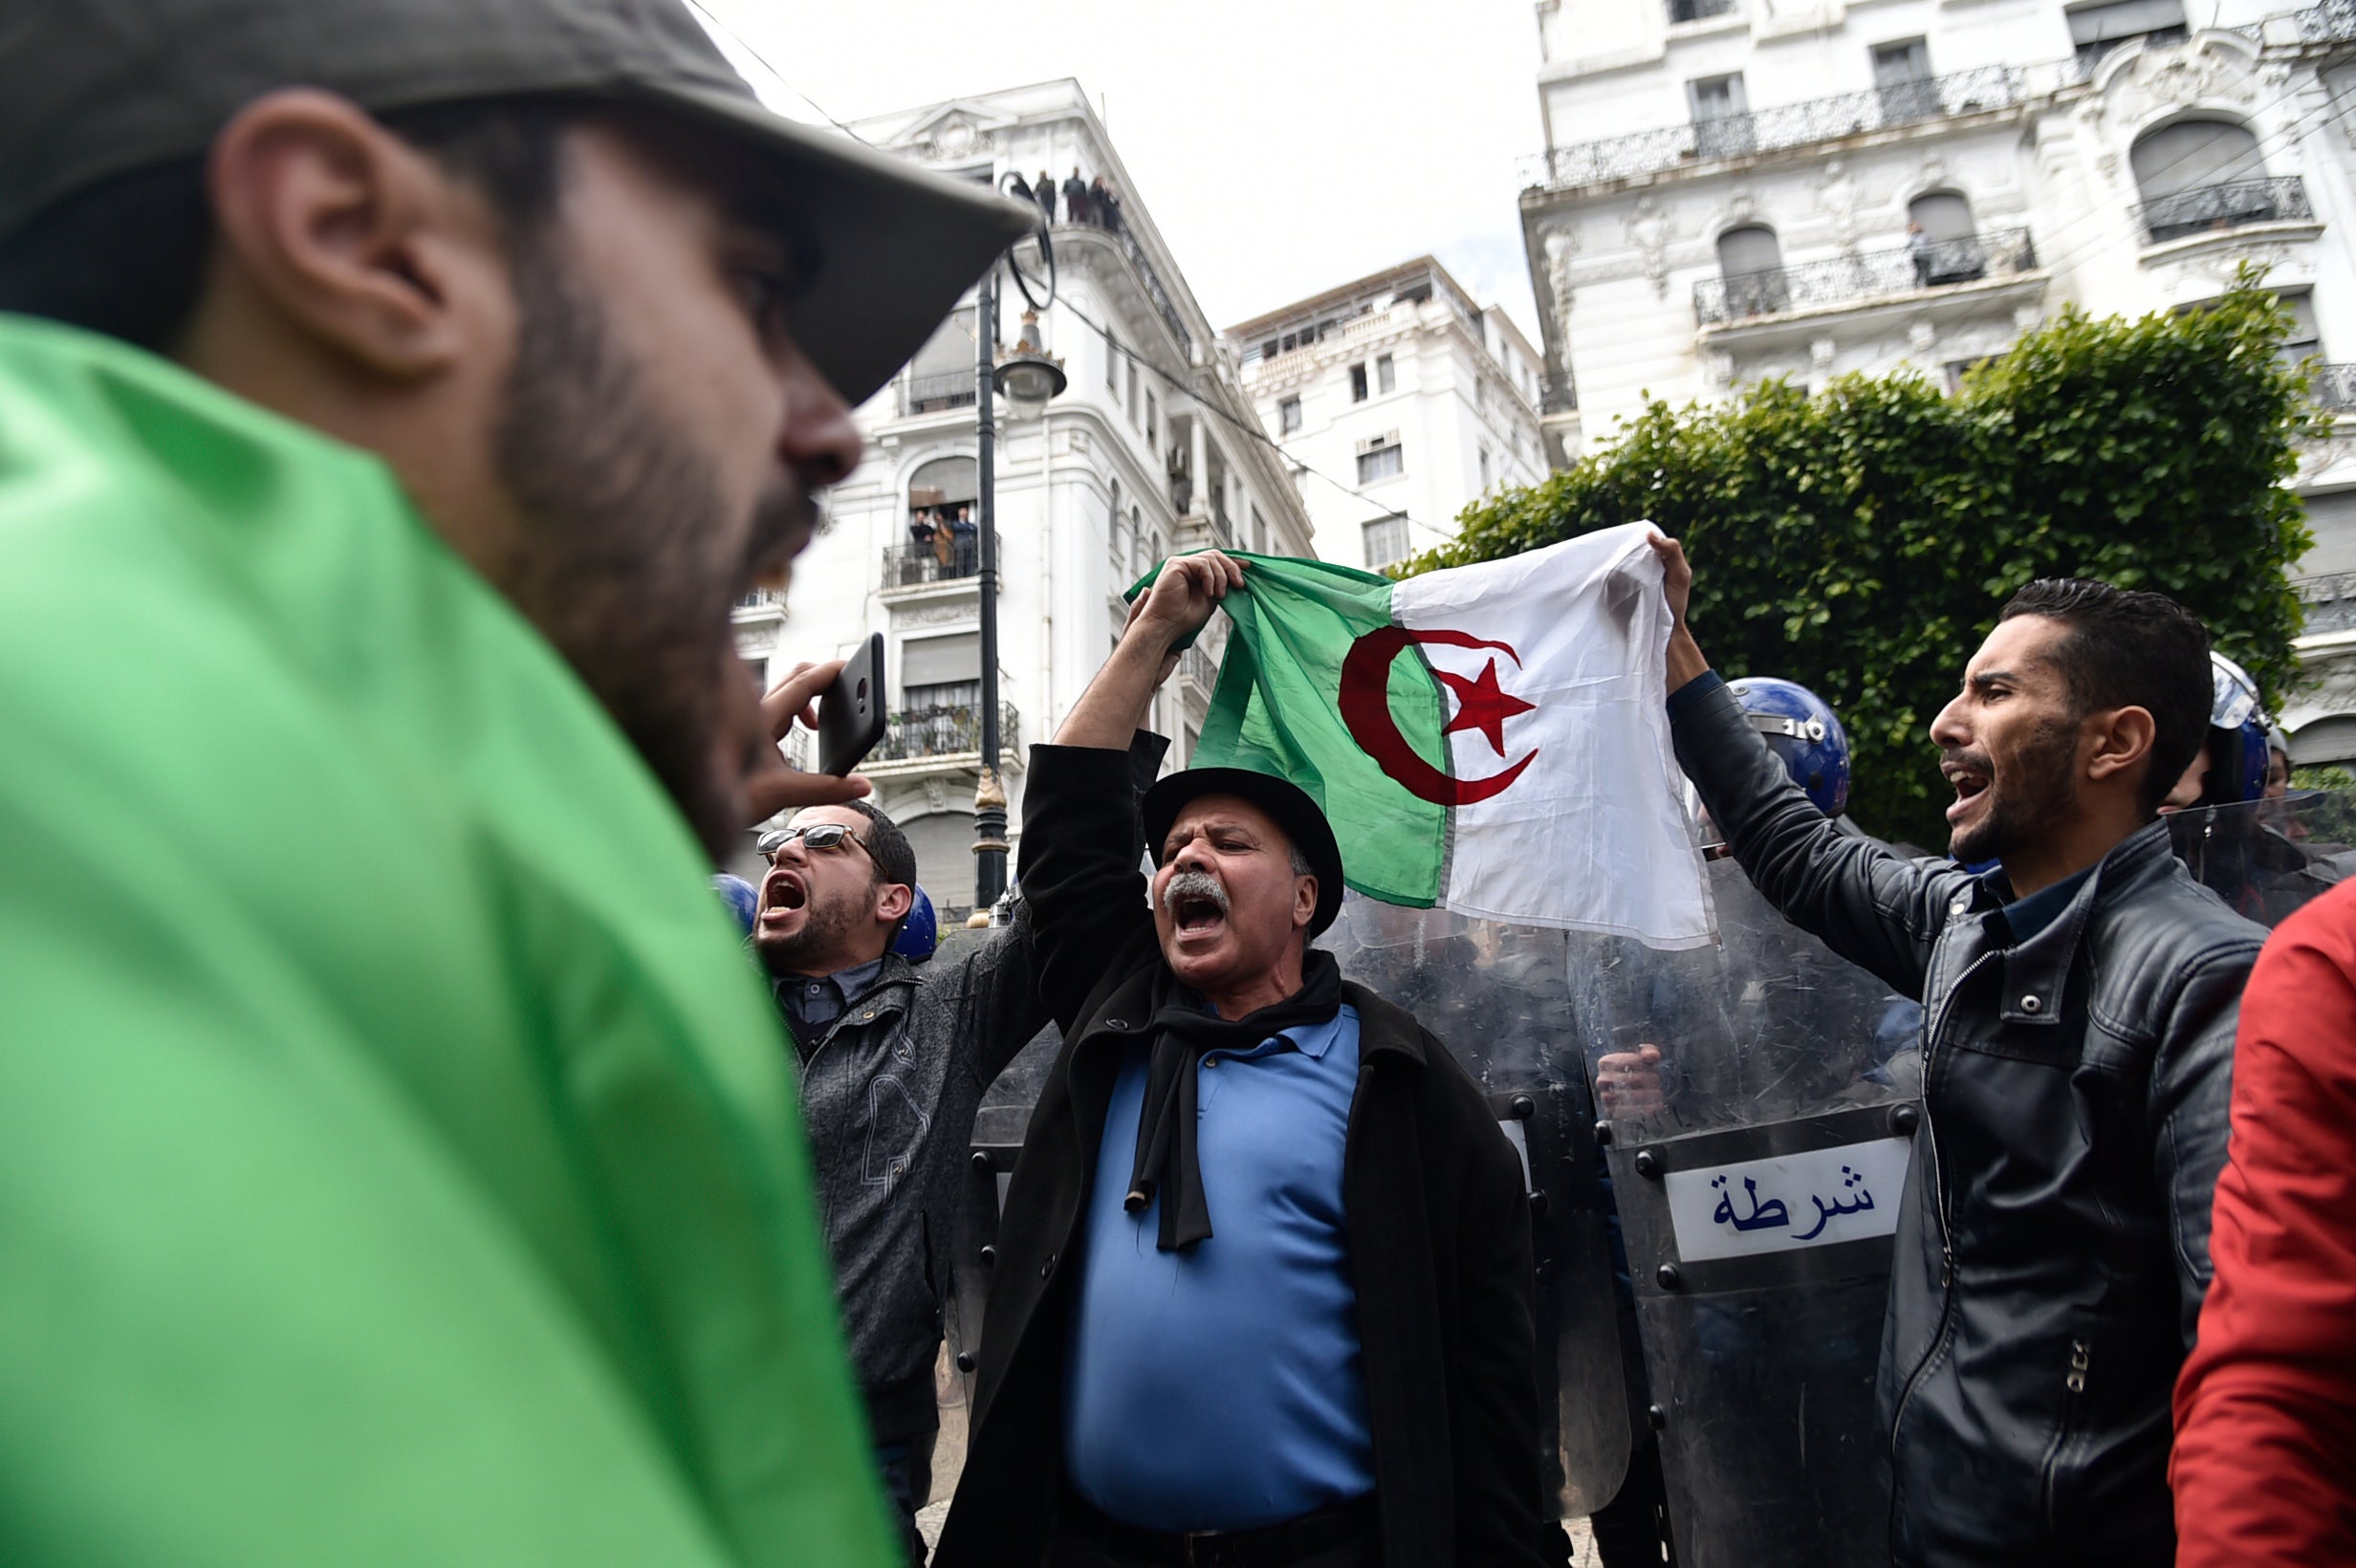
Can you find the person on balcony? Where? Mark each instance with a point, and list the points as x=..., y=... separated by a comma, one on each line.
x=967, y=541
x=1044, y=188
x=921, y=532
x=1076, y=198
x=1108, y=203
x=1918, y=252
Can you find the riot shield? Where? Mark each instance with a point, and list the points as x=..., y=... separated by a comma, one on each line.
x=1500, y=997
x=1757, y=1098
x=2268, y=857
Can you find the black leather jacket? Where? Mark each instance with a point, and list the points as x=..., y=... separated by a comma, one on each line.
x=2053, y=1247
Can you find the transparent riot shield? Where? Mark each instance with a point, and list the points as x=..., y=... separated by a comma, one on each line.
x=1500, y=997
x=1758, y=1104
x=2268, y=858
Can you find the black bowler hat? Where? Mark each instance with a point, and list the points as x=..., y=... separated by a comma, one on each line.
x=1300, y=817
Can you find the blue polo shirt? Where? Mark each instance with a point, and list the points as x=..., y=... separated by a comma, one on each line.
x=1221, y=1387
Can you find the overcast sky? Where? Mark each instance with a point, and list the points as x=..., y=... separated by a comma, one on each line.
x=1282, y=147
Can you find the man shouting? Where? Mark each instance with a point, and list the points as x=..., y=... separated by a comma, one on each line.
x=2053, y=1247
x=1263, y=1290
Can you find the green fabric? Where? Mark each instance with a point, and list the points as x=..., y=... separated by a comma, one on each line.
x=1273, y=711
x=398, y=1161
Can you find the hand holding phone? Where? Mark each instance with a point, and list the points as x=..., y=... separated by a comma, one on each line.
x=851, y=714
x=772, y=785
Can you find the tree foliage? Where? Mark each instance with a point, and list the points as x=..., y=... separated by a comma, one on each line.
x=1860, y=540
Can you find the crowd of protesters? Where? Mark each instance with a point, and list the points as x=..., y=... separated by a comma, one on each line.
x=434, y=380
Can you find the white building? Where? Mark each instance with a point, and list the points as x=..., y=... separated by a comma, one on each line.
x=1730, y=184
x=1087, y=495
x=1397, y=401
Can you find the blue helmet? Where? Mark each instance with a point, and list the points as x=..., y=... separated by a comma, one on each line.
x=1803, y=732
x=742, y=898
x=920, y=932
x=2237, y=744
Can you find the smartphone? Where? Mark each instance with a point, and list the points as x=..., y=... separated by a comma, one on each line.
x=851, y=711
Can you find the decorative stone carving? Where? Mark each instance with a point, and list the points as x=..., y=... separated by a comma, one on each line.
x=1922, y=335
x=1741, y=206
x=1837, y=194
x=1821, y=351
x=1560, y=245
x=1718, y=369
x=936, y=795
x=932, y=615
x=1648, y=233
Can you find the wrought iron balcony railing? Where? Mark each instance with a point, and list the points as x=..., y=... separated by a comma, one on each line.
x=1196, y=666
x=2330, y=600
x=947, y=558
x=1695, y=11
x=2000, y=253
x=2333, y=22
x=933, y=394
x=945, y=732
x=2218, y=207
x=1772, y=130
x=2333, y=386
x=760, y=599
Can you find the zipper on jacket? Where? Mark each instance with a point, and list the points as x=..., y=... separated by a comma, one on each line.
x=2073, y=1394
x=1932, y=1042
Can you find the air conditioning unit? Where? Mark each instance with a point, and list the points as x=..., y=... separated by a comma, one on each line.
x=1374, y=443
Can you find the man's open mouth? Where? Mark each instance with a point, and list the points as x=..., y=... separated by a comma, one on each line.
x=782, y=895
x=1970, y=781
x=1197, y=913
x=1196, y=902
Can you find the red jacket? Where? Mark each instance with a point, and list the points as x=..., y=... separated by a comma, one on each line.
x=2264, y=1466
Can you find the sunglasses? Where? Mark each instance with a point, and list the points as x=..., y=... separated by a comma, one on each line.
x=818, y=835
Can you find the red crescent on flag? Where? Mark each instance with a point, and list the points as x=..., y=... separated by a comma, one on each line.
x=1365, y=707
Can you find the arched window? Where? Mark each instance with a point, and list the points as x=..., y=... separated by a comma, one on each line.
x=1116, y=531
x=1941, y=241
x=1751, y=265
x=2201, y=174
x=938, y=492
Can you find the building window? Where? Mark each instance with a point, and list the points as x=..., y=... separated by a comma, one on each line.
x=1288, y=416
x=1902, y=78
x=1941, y=241
x=1259, y=531
x=1132, y=392
x=941, y=376
x=2303, y=341
x=1751, y=265
x=1358, y=381
x=2197, y=175
x=1721, y=116
x=2098, y=30
x=1385, y=375
x=937, y=673
x=1695, y=10
x=1385, y=540
x=1112, y=366
x=1153, y=431
x=1485, y=468
x=1379, y=458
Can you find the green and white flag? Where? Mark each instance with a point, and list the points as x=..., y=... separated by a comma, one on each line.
x=1492, y=739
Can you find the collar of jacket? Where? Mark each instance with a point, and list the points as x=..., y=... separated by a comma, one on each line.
x=1383, y=1028
x=895, y=985
x=2036, y=971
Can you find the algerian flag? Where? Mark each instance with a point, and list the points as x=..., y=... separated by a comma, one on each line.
x=1492, y=739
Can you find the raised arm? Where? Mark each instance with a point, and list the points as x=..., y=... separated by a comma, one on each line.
x=1113, y=708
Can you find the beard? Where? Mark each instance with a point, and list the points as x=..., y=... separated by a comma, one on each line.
x=2024, y=810
x=626, y=563
x=825, y=935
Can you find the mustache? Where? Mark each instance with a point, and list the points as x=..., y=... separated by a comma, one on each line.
x=1193, y=884
x=1976, y=762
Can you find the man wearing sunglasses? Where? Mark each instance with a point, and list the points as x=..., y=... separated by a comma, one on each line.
x=894, y=1060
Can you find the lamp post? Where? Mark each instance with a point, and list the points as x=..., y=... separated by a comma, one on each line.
x=1028, y=379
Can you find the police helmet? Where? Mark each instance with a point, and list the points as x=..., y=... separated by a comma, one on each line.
x=920, y=933
x=742, y=899
x=2237, y=747
x=1803, y=732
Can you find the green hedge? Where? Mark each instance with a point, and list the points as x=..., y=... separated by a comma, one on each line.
x=1860, y=540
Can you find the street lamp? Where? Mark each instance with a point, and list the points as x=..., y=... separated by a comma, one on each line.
x=1027, y=377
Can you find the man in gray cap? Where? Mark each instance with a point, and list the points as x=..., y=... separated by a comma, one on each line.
x=394, y=396
x=1263, y=1294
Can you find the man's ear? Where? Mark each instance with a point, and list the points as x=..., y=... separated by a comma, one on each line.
x=1304, y=901
x=893, y=901
x=2120, y=743
x=361, y=241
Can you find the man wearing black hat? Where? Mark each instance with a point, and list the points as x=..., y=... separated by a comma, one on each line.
x=1263, y=1289
x=433, y=374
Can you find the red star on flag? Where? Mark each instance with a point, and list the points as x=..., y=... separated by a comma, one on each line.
x=1482, y=704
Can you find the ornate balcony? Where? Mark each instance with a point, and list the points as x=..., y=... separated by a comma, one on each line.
x=944, y=732
x=2330, y=600
x=2333, y=22
x=923, y=565
x=1196, y=666
x=1772, y=130
x=2221, y=207
x=936, y=394
x=1560, y=395
x=2333, y=387
x=2000, y=253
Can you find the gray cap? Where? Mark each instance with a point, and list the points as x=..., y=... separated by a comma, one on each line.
x=97, y=88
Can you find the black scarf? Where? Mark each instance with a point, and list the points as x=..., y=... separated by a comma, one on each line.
x=1183, y=1030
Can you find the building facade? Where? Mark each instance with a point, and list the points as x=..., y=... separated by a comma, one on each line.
x=1396, y=401
x=1152, y=448
x=1734, y=189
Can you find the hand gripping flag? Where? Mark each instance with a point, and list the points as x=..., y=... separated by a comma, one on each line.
x=1492, y=739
